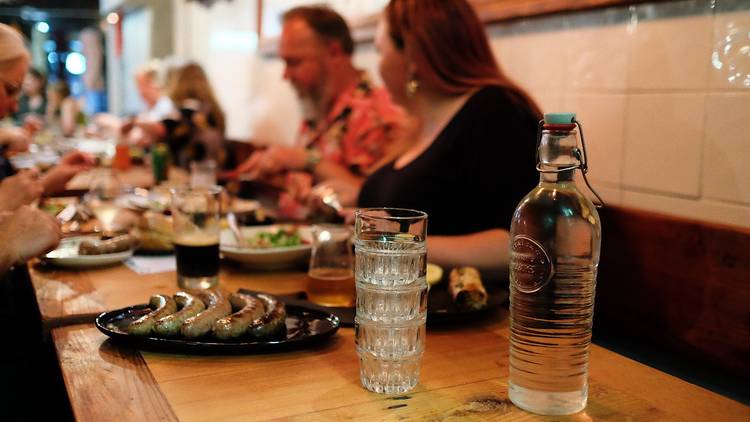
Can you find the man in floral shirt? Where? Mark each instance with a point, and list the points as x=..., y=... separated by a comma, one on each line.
x=348, y=123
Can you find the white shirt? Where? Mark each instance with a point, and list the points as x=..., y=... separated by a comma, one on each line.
x=163, y=109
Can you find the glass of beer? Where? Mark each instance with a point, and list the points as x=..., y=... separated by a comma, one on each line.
x=196, y=214
x=331, y=273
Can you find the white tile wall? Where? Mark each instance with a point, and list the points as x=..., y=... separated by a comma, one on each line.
x=663, y=143
x=706, y=210
x=594, y=68
x=536, y=61
x=726, y=169
x=672, y=53
x=603, y=120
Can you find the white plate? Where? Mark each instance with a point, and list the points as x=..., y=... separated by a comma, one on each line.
x=66, y=255
x=98, y=147
x=266, y=258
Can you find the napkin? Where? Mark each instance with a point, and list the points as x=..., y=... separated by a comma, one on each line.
x=151, y=264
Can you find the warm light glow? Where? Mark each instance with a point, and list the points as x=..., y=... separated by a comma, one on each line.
x=113, y=18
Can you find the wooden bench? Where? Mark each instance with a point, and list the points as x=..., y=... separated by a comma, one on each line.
x=676, y=284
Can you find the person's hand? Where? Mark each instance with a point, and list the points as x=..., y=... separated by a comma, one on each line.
x=79, y=159
x=71, y=164
x=33, y=123
x=20, y=189
x=299, y=185
x=349, y=215
x=15, y=138
x=274, y=159
x=26, y=233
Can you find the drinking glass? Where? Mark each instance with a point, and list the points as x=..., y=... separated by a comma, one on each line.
x=196, y=214
x=391, y=308
x=331, y=273
x=103, y=192
x=202, y=173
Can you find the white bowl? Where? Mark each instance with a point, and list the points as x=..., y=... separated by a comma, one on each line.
x=266, y=258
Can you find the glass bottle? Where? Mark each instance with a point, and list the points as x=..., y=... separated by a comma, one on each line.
x=555, y=241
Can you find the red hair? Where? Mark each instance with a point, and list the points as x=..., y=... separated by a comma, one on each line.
x=447, y=42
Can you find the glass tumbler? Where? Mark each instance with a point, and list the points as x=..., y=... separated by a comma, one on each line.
x=196, y=214
x=391, y=309
x=331, y=273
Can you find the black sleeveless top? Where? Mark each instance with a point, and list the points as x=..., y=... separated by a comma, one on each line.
x=475, y=172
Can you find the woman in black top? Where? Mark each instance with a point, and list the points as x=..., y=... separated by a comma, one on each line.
x=471, y=157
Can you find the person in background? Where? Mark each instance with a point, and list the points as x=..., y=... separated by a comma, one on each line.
x=32, y=104
x=150, y=81
x=62, y=109
x=24, y=232
x=348, y=122
x=197, y=132
x=147, y=127
x=471, y=156
x=95, y=93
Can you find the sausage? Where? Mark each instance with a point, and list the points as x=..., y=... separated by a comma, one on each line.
x=235, y=325
x=272, y=322
x=466, y=288
x=100, y=247
x=162, y=306
x=189, y=305
x=217, y=307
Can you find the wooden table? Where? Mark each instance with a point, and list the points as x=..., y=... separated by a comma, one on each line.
x=464, y=370
x=137, y=175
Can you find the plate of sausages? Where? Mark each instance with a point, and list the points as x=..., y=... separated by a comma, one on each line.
x=211, y=321
x=91, y=251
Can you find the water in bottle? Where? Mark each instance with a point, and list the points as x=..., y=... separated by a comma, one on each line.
x=555, y=241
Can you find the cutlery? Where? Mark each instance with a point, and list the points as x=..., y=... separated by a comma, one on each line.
x=232, y=221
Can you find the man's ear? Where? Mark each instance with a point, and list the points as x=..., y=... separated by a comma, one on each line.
x=334, y=48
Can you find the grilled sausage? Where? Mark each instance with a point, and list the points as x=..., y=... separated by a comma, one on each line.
x=235, y=325
x=189, y=305
x=466, y=288
x=272, y=322
x=100, y=247
x=162, y=306
x=217, y=306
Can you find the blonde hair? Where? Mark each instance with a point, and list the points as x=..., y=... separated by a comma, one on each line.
x=155, y=71
x=12, y=46
x=191, y=82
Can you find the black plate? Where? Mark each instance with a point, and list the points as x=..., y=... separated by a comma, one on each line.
x=442, y=310
x=304, y=327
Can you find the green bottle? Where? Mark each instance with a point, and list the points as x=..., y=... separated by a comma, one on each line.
x=160, y=162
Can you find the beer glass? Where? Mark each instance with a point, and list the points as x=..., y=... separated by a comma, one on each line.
x=391, y=311
x=331, y=273
x=196, y=214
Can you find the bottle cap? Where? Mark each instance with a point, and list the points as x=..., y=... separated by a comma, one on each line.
x=559, y=118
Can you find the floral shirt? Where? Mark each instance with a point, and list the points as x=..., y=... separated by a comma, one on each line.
x=357, y=130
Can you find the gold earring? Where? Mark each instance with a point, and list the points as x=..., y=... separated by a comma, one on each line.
x=412, y=85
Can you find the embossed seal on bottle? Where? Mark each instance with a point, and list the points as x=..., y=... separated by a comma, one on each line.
x=530, y=265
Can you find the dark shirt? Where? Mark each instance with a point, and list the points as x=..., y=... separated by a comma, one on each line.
x=473, y=175
x=189, y=142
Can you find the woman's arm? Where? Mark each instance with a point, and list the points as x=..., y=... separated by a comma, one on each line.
x=487, y=250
